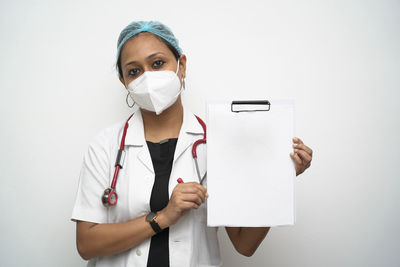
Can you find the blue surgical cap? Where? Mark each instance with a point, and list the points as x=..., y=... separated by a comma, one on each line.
x=154, y=27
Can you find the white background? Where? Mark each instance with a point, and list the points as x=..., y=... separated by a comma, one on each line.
x=339, y=60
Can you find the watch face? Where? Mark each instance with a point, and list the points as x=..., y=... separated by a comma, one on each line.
x=150, y=216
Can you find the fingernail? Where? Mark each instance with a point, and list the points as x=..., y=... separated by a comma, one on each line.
x=295, y=151
x=294, y=145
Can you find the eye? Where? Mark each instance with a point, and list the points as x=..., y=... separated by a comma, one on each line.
x=133, y=72
x=158, y=64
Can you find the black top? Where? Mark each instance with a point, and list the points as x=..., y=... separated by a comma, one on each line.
x=162, y=156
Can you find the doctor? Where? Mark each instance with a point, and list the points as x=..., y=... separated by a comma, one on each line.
x=156, y=221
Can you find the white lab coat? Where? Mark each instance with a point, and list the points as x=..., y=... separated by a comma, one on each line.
x=191, y=242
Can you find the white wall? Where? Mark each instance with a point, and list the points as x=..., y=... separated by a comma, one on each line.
x=339, y=60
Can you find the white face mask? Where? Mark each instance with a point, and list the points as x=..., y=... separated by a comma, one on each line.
x=155, y=90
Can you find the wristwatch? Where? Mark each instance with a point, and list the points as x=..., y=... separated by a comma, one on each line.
x=151, y=218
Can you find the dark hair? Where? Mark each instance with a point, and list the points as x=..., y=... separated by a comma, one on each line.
x=173, y=50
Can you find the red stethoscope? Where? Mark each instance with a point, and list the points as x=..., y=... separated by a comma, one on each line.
x=110, y=196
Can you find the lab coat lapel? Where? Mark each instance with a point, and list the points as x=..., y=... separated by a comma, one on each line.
x=135, y=137
x=190, y=128
x=145, y=158
x=184, y=141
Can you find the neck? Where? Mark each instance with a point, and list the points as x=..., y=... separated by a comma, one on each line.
x=166, y=125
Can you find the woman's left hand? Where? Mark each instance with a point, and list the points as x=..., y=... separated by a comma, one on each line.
x=301, y=156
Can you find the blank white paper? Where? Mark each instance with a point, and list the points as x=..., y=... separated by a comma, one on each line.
x=250, y=174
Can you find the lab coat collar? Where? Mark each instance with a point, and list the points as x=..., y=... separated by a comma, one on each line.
x=190, y=124
x=190, y=128
x=135, y=134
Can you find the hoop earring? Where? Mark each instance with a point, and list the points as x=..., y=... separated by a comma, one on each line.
x=127, y=101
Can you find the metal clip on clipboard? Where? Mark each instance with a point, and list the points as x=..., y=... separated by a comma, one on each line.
x=250, y=105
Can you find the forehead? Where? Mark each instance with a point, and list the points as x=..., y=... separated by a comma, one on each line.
x=142, y=45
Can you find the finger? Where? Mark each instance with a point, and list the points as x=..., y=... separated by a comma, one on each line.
x=201, y=195
x=305, y=157
x=296, y=159
x=197, y=193
x=186, y=205
x=200, y=187
x=298, y=163
x=194, y=189
x=189, y=205
x=303, y=147
x=192, y=198
x=297, y=140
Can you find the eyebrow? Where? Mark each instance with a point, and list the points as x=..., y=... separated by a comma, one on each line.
x=148, y=57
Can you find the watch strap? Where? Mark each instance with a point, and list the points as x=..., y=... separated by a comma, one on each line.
x=151, y=218
x=155, y=226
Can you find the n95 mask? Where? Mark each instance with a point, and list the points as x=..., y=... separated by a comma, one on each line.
x=155, y=90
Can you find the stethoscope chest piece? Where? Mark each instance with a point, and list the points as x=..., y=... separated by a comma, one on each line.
x=110, y=197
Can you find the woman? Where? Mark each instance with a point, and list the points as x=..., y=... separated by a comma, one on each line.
x=157, y=221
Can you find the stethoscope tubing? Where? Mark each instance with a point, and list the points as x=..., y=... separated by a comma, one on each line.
x=194, y=148
x=121, y=154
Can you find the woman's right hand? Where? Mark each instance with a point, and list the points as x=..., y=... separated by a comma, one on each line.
x=184, y=197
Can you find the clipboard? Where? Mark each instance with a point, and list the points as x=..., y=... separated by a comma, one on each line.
x=250, y=175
